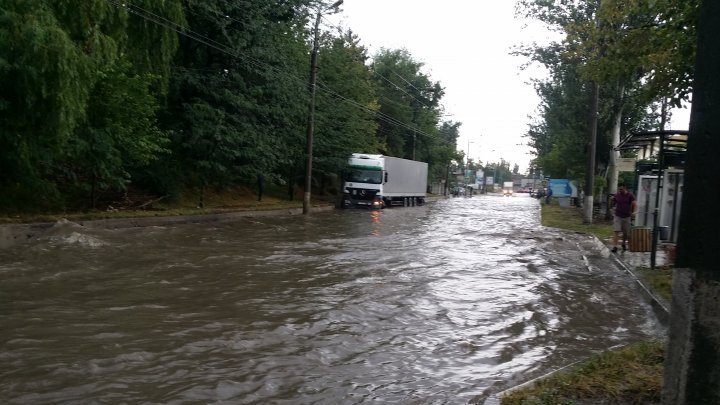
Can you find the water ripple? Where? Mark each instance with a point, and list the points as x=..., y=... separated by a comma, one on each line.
x=432, y=304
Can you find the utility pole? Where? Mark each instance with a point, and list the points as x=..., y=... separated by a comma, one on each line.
x=692, y=361
x=414, y=120
x=311, y=108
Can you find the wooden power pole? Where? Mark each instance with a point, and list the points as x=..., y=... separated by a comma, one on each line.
x=311, y=107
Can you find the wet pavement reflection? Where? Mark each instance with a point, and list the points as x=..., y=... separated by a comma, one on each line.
x=442, y=303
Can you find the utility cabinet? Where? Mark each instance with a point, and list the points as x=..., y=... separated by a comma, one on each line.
x=645, y=198
x=671, y=201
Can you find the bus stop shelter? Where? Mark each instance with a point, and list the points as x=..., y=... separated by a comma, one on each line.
x=665, y=149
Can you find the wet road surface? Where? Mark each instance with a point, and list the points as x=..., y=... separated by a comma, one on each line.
x=436, y=304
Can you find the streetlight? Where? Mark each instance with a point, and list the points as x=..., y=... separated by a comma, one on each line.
x=311, y=108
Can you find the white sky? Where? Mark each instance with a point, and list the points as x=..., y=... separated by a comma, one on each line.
x=465, y=46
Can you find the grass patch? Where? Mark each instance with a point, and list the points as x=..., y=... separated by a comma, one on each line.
x=658, y=280
x=629, y=375
x=571, y=218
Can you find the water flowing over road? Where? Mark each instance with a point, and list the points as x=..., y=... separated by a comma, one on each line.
x=434, y=304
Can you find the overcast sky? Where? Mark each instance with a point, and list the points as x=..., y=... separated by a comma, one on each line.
x=465, y=46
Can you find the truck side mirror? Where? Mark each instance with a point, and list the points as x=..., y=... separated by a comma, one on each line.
x=386, y=177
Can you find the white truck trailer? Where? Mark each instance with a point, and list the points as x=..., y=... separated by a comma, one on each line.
x=379, y=181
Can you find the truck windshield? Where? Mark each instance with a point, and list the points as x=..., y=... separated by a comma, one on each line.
x=364, y=176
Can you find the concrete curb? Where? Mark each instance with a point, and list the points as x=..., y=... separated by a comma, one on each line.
x=495, y=399
x=659, y=305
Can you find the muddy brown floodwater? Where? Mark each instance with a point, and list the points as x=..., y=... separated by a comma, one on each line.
x=436, y=304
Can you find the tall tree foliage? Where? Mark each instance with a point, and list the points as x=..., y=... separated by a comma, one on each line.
x=236, y=105
x=56, y=63
x=626, y=47
x=409, y=123
x=557, y=136
x=179, y=94
x=43, y=75
x=410, y=98
x=118, y=133
x=443, y=151
x=649, y=42
x=346, y=103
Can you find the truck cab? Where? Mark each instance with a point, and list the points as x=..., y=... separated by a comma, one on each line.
x=364, y=181
x=508, y=189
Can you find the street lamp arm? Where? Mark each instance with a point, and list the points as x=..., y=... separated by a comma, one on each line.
x=335, y=5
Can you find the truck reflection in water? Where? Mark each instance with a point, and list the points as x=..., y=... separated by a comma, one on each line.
x=375, y=218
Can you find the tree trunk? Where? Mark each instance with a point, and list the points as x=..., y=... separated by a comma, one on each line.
x=447, y=180
x=592, y=144
x=291, y=185
x=201, y=195
x=614, y=155
x=692, y=365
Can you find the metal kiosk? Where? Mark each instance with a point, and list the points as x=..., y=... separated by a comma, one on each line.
x=667, y=148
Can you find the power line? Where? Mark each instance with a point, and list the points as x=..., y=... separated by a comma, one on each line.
x=189, y=33
x=395, y=85
x=411, y=85
x=383, y=117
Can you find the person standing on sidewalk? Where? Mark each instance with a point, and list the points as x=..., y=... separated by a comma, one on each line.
x=625, y=205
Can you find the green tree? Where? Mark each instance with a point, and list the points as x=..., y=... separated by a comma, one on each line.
x=410, y=99
x=346, y=105
x=623, y=46
x=69, y=92
x=118, y=134
x=44, y=78
x=557, y=136
x=444, y=152
x=648, y=42
x=151, y=46
x=236, y=105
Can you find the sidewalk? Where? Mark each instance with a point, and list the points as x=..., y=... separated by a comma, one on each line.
x=628, y=261
x=642, y=259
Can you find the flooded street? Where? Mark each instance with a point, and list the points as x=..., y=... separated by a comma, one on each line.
x=433, y=304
